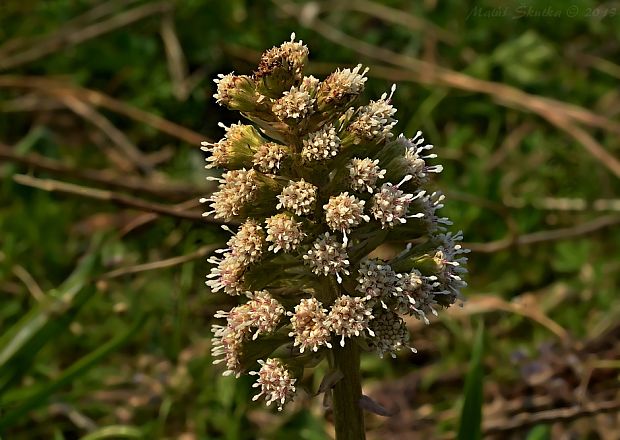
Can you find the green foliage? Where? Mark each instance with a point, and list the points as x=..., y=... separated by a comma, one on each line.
x=470, y=427
x=101, y=373
x=21, y=342
x=540, y=432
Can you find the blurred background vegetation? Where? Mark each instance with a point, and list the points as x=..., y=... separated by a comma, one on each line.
x=104, y=315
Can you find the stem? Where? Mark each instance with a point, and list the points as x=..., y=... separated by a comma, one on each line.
x=348, y=414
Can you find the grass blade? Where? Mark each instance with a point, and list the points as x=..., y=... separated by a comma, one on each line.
x=471, y=414
x=40, y=396
x=43, y=323
x=115, y=432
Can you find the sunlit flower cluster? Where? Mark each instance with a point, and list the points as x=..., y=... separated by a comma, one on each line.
x=315, y=182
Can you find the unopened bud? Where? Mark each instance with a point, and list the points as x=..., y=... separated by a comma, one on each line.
x=237, y=149
x=281, y=67
x=237, y=92
x=340, y=89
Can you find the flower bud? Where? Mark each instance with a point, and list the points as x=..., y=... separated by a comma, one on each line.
x=281, y=68
x=238, y=148
x=373, y=122
x=275, y=382
x=411, y=159
x=243, y=193
x=340, y=88
x=237, y=92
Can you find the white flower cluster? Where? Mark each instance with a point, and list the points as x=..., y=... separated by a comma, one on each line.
x=260, y=314
x=275, y=382
x=316, y=184
x=321, y=144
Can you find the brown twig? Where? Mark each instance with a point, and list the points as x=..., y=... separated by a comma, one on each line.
x=488, y=303
x=53, y=87
x=147, y=217
x=527, y=419
x=512, y=141
x=177, y=65
x=588, y=142
x=97, y=12
x=110, y=196
x=396, y=16
x=127, y=148
x=62, y=40
x=161, y=264
x=544, y=236
x=30, y=102
x=168, y=190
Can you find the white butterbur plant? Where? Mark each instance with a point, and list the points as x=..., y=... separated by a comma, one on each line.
x=315, y=183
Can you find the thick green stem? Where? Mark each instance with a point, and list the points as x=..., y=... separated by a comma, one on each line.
x=348, y=414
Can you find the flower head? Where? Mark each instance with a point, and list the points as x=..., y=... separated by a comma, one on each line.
x=328, y=256
x=295, y=104
x=389, y=206
x=247, y=245
x=341, y=87
x=235, y=149
x=237, y=92
x=376, y=280
x=310, y=327
x=343, y=212
x=268, y=157
x=238, y=187
x=390, y=332
x=298, y=197
x=265, y=313
x=415, y=157
x=284, y=233
x=364, y=174
x=349, y=316
x=275, y=382
x=227, y=274
x=374, y=122
x=227, y=347
x=281, y=67
x=452, y=264
x=321, y=145
x=228, y=339
x=428, y=205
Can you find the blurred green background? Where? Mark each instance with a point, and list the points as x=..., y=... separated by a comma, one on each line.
x=104, y=315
